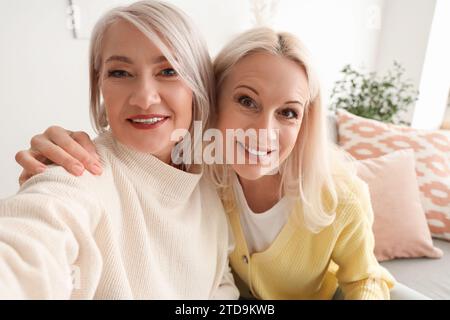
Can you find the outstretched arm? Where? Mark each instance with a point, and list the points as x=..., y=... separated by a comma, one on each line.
x=47, y=248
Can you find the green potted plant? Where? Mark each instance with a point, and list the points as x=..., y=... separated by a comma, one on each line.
x=370, y=96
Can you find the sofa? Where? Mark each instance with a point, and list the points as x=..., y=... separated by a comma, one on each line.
x=430, y=277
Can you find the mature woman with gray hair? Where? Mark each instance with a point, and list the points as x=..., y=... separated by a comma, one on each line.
x=146, y=228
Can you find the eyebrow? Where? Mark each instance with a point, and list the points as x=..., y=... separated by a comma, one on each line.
x=125, y=59
x=249, y=88
x=119, y=58
x=256, y=92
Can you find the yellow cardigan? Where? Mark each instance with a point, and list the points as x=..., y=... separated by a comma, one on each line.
x=304, y=265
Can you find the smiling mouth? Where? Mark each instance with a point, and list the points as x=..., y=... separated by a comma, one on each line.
x=255, y=152
x=153, y=120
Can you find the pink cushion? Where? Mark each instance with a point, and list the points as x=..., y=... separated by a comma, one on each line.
x=400, y=226
x=364, y=138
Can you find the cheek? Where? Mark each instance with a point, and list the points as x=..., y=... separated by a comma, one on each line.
x=229, y=119
x=113, y=97
x=223, y=121
x=180, y=100
x=288, y=139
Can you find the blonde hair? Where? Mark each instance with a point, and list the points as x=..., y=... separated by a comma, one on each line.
x=175, y=35
x=315, y=168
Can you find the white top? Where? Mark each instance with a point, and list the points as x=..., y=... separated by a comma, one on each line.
x=261, y=229
x=141, y=230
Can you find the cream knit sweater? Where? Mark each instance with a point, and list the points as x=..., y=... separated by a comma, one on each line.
x=141, y=230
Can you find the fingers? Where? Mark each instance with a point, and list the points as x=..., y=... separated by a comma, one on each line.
x=24, y=176
x=68, y=143
x=74, y=151
x=30, y=164
x=56, y=154
x=85, y=141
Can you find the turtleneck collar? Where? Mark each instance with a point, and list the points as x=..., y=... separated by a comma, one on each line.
x=174, y=184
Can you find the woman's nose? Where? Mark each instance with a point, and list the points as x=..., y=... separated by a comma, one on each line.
x=268, y=123
x=267, y=128
x=145, y=94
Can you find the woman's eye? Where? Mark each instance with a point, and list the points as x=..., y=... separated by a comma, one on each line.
x=289, y=113
x=247, y=102
x=118, y=74
x=169, y=72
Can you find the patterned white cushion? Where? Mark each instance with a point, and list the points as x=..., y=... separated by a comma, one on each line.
x=365, y=138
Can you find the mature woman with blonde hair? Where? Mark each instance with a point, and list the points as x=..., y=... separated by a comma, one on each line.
x=146, y=228
x=306, y=229
x=301, y=223
x=300, y=216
